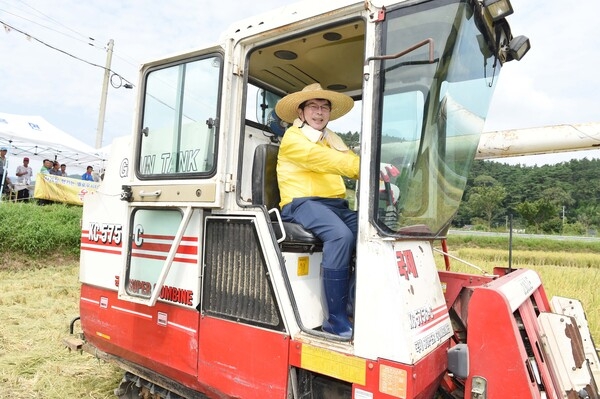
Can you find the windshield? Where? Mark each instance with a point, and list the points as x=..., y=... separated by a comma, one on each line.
x=430, y=116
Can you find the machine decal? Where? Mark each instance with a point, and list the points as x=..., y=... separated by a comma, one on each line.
x=154, y=246
x=393, y=381
x=133, y=312
x=162, y=319
x=519, y=287
x=108, y=233
x=103, y=237
x=181, y=327
x=334, y=364
x=361, y=394
x=406, y=264
x=89, y=300
x=124, y=169
x=426, y=318
x=167, y=293
x=186, y=159
x=526, y=286
x=433, y=338
x=420, y=316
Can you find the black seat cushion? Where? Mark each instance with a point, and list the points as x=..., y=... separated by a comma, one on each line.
x=265, y=191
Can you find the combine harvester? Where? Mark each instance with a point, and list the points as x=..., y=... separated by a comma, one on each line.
x=192, y=285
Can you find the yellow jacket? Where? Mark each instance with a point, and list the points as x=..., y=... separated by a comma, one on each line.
x=309, y=165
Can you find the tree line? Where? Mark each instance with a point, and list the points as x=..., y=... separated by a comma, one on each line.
x=562, y=198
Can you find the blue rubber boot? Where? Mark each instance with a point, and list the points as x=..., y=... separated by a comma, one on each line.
x=335, y=290
x=351, y=295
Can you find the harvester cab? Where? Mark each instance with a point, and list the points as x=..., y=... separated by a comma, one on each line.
x=192, y=283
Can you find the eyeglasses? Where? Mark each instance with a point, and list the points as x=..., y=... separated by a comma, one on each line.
x=314, y=108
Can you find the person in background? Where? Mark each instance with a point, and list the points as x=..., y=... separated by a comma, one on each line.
x=63, y=170
x=311, y=162
x=55, y=170
x=3, y=152
x=5, y=189
x=45, y=170
x=46, y=166
x=88, y=174
x=24, y=175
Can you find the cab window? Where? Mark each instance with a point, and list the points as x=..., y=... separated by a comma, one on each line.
x=152, y=229
x=179, y=126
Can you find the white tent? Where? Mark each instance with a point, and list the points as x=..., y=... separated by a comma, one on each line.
x=34, y=137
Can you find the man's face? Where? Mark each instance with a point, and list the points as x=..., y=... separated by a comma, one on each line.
x=48, y=164
x=3, y=153
x=316, y=113
x=63, y=168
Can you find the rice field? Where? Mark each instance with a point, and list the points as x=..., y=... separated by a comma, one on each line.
x=567, y=274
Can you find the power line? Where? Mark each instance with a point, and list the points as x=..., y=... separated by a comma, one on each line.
x=89, y=40
x=52, y=29
x=9, y=27
x=55, y=21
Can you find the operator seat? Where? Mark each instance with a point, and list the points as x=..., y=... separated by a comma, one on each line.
x=265, y=191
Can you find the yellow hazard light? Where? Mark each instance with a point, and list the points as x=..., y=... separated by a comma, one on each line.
x=303, y=263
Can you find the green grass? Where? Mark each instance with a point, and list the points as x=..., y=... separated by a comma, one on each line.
x=39, y=231
x=522, y=243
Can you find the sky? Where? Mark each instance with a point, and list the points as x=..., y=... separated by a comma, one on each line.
x=555, y=83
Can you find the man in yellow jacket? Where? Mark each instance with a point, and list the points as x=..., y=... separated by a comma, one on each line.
x=311, y=162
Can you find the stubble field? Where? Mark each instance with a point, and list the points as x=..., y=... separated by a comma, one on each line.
x=37, y=304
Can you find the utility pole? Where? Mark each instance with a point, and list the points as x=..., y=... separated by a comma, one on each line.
x=100, y=129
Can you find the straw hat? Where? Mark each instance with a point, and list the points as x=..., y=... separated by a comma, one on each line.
x=287, y=107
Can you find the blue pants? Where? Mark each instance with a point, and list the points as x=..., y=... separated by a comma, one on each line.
x=332, y=222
